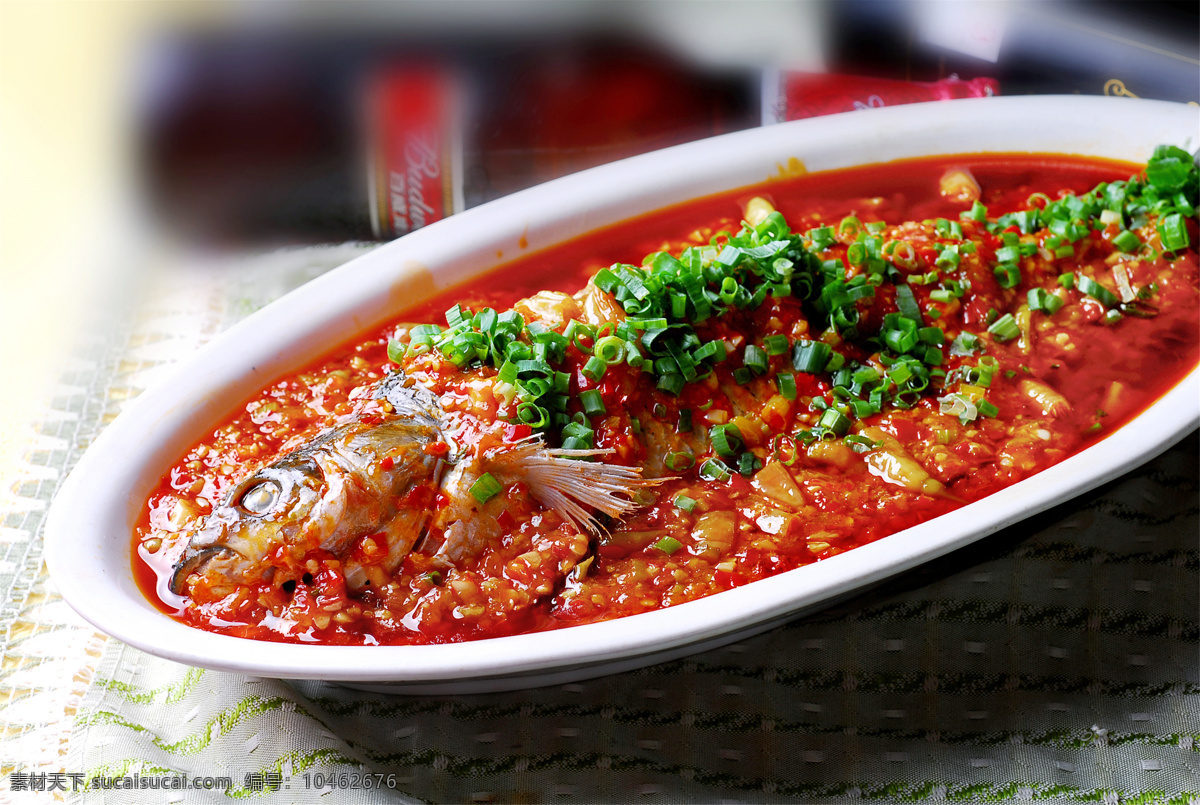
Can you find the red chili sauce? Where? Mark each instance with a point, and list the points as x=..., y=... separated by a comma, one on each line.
x=1032, y=394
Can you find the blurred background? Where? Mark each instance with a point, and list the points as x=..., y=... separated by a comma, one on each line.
x=139, y=133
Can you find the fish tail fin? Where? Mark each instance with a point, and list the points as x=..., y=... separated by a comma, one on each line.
x=566, y=482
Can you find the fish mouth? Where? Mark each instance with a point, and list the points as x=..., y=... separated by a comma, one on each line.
x=191, y=561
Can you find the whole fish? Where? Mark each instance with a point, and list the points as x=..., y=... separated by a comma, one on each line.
x=378, y=479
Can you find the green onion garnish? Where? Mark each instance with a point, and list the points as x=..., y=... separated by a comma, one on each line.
x=1008, y=275
x=907, y=303
x=671, y=383
x=755, y=359
x=594, y=369
x=396, y=350
x=748, y=463
x=592, y=402
x=1127, y=242
x=810, y=356
x=609, y=349
x=485, y=488
x=1043, y=300
x=776, y=344
x=668, y=545
x=1004, y=328
x=786, y=383
x=1173, y=232
x=679, y=461
x=1089, y=286
x=834, y=420
x=726, y=439
x=715, y=470
x=533, y=415
x=684, y=503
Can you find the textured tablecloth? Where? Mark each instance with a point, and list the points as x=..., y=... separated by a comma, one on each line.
x=1057, y=660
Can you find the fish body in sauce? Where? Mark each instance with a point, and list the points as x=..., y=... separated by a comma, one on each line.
x=378, y=480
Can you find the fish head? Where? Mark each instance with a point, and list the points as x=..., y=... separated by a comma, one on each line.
x=349, y=482
x=266, y=510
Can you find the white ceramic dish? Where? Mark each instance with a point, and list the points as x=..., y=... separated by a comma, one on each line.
x=89, y=527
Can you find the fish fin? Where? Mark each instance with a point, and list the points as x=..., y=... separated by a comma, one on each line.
x=562, y=480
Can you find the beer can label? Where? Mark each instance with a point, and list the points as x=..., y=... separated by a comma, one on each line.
x=414, y=121
x=802, y=95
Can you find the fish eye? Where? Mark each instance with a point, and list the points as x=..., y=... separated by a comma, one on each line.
x=260, y=498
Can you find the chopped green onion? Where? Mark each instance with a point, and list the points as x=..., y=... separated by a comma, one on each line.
x=714, y=469
x=1127, y=241
x=671, y=384
x=485, y=488
x=748, y=463
x=532, y=415
x=1004, y=328
x=948, y=258
x=822, y=238
x=684, y=503
x=1008, y=254
x=396, y=350
x=776, y=344
x=849, y=226
x=786, y=383
x=1089, y=286
x=727, y=439
x=679, y=461
x=668, y=545
x=1173, y=232
x=594, y=368
x=965, y=344
x=755, y=359
x=592, y=402
x=1043, y=300
x=931, y=335
x=810, y=356
x=834, y=420
x=609, y=349
x=907, y=303
x=1008, y=275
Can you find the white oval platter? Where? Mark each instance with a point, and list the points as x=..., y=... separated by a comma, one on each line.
x=89, y=527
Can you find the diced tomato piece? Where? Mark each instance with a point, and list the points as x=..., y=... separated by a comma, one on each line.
x=419, y=497
x=516, y=432
x=726, y=579
x=904, y=430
